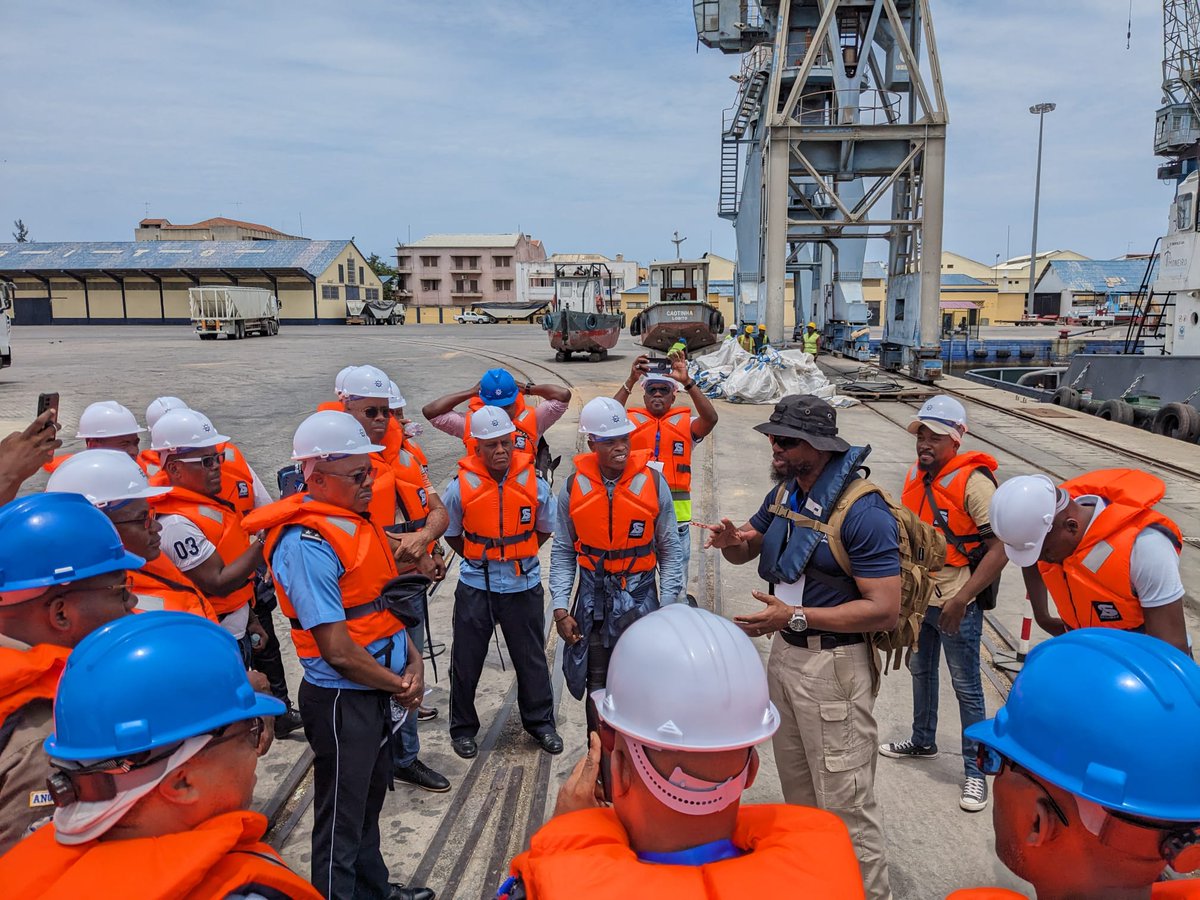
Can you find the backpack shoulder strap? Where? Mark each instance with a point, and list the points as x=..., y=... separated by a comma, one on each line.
x=854, y=492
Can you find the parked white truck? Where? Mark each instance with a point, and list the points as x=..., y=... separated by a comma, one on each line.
x=232, y=312
x=7, y=292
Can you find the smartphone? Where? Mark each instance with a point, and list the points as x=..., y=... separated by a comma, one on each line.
x=660, y=365
x=290, y=481
x=48, y=401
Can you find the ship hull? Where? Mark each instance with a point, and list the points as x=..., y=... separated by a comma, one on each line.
x=661, y=325
x=572, y=331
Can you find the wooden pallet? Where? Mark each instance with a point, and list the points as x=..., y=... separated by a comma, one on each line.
x=874, y=396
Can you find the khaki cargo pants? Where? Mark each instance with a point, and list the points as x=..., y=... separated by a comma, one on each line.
x=825, y=747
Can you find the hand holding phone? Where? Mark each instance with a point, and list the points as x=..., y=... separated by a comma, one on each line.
x=659, y=365
x=48, y=402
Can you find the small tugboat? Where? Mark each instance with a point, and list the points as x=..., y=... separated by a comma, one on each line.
x=583, y=316
x=679, y=307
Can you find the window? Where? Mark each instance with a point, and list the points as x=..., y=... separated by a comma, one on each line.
x=502, y=284
x=466, y=286
x=341, y=273
x=330, y=292
x=541, y=282
x=350, y=267
x=429, y=262
x=372, y=294
x=1183, y=213
x=402, y=282
x=898, y=310
x=361, y=278
x=501, y=262
x=430, y=285
x=466, y=262
x=677, y=276
x=403, y=262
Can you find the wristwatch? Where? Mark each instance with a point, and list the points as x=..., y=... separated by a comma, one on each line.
x=798, y=622
x=529, y=387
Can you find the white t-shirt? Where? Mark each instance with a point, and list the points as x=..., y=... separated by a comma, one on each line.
x=185, y=545
x=1153, y=564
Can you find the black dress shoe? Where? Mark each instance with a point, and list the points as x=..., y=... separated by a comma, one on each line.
x=400, y=892
x=465, y=747
x=287, y=723
x=423, y=777
x=550, y=742
x=425, y=713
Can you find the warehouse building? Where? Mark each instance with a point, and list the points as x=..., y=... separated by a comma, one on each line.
x=146, y=282
x=218, y=229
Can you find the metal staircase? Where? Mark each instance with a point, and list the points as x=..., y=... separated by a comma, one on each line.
x=734, y=124
x=1149, y=320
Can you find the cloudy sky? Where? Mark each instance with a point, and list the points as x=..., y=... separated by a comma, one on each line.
x=590, y=124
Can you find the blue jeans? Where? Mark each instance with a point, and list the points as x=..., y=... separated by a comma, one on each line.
x=962, y=656
x=409, y=745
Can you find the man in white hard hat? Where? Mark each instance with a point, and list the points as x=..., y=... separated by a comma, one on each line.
x=670, y=432
x=117, y=486
x=201, y=533
x=1098, y=547
x=500, y=512
x=331, y=562
x=616, y=526
x=951, y=488
x=106, y=425
x=682, y=756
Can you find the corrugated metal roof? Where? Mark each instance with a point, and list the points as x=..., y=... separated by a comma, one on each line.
x=874, y=269
x=1099, y=276
x=454, y=241
x=313, y=257
x=959, y=280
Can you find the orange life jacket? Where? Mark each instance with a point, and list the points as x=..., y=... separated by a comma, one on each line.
x=1180, y=889
x=793, y=851
x=498, y=520
x=949, y=488
x=986, y=893
x=212, y=860
x=28, y=675
x=1092, y=586
x=221, y=524
x=361, y=548
x=524, y=417
x=617, y=533
x=237, y=479
x=150, y=461
x=331, y=406
x=160, y=580
x=60, y=458
x=669, y=441
x=399, y=487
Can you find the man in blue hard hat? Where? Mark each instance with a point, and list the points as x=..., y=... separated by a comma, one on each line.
x=1097, y=788
x=62, y=575
x=157, y=733
x=498, y=388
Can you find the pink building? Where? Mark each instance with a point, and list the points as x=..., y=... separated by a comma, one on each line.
x=463, y=269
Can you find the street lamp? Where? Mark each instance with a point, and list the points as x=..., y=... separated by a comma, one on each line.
x=1040, y=111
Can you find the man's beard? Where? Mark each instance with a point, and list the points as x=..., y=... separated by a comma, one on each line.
x=790, y=472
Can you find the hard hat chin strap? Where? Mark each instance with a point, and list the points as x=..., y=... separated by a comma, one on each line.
x=685, y=793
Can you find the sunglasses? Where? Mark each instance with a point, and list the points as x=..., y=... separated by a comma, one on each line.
x=377, y=412
x=212, y=461
x=121, y=588
x=252, y=735
x=658, y=390
x=991, y=762
x=145, y=521
x=785, y=443
x=358, y=477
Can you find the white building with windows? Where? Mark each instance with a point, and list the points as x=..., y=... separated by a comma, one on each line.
x=463, y=269
x=535, y=280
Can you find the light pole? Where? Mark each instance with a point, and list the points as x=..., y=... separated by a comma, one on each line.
x=1040, y=111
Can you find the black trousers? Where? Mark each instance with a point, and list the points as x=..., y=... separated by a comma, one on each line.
x=349, y=732
x=268, y=658
x=522, y=618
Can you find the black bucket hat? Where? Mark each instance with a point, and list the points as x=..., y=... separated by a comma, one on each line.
x=808, y=418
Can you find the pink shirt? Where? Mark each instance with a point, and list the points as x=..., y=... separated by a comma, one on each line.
x=546, y=414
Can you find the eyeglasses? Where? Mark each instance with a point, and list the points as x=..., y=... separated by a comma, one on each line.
x=212, y=461
x=145, y=521
x=377, y=412
x=253, y=735
x=358, y=477
x=121, y=588
x=992, y=762
x=785, y=443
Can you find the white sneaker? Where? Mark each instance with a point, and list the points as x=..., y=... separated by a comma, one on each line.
x=974, y=794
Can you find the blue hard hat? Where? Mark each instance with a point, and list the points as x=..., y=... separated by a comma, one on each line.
x=497, y=388
x=1110, y=716
x=147, y=681
x=56, y=538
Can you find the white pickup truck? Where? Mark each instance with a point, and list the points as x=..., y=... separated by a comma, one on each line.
x=7, y=293
x=221, y=311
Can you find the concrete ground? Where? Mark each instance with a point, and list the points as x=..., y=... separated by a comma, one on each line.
x=459, y=843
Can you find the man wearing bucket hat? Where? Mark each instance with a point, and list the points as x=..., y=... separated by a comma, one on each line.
x=501, y=513
x=331, y=564
x=157, y=734
x=821, y=664
x=1097, y=545
x=670, y=432
x=951, y=489
x=62, y=575
x=1097, y=790
x=497, y=387
x=682, y=756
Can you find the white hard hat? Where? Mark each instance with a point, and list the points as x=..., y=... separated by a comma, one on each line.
x=162, y=405
x=366, y=381
x=941, y=415
x=604, y=417
x=395, y=398
x=103, y=477
x=339, y=383
x=710, y=688
x=184, y=428
x=656, y=378
x=489, y=422
x=330, y=433
x=1022, y=514
x=106, y=419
